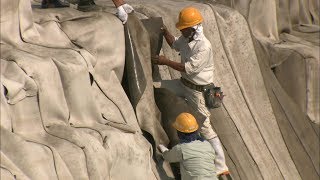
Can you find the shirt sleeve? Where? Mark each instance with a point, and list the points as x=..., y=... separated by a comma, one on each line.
x=197, y=62
x=173, y=155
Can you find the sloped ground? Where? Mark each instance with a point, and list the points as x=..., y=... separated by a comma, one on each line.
x=59, y=122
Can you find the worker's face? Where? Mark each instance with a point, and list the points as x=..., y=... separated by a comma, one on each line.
x=187, y=32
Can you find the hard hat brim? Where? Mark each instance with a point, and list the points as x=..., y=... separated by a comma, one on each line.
x=181, y=26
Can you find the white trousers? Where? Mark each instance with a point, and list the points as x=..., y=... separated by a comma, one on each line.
x=195, y=99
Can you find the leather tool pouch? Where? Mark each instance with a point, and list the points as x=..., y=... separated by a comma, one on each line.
x=213, y=96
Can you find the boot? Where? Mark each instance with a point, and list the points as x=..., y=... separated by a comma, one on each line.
x=52, y=4
x=220, y=160
x=88, y=5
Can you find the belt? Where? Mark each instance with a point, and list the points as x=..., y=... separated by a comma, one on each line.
x=191, y=85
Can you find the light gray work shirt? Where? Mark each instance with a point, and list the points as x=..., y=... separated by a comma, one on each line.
x=196, y=160
x=197, y=56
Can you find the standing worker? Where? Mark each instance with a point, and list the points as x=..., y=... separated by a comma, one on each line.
x=196, y=69
x=89, y=5
x=196, y=156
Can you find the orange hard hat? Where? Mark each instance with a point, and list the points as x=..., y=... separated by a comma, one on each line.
x=189, y=17
x=186, y=123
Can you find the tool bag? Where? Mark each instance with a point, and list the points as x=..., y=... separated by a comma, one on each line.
x=213, y=96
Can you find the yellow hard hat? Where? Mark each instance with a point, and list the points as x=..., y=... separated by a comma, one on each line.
x=186, y=123
x=189, y=17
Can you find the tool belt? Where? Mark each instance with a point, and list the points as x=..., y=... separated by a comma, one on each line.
x=190, y=85
x=212, y=94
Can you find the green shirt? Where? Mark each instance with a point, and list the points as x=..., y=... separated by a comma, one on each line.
x=196, y=160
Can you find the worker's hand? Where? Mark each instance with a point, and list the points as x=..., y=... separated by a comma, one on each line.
x=128, y=8
x=122, y=14
x=164, y=30
x=162, y=148
x=160, y=60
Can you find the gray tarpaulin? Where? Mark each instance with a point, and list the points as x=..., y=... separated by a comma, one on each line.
x=134, y=75
x=153, y=25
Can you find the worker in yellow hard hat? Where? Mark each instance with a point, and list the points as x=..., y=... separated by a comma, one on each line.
x=196, y=156
x=196, y=69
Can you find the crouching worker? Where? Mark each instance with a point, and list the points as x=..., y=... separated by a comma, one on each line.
x=196, y=155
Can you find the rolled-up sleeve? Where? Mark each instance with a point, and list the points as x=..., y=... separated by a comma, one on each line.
x=197, y=62
x=173, y=155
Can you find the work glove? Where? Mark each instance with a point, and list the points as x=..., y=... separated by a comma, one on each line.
x=122, y=12
x=122, y=15
x=162, y=148
x=128, y=8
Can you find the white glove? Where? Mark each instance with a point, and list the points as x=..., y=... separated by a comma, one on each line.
x=122, y=12
x=162, y=148
x=122, y=15
x=128, y=8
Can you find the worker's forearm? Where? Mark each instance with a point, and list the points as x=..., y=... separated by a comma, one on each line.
x=118, y=3
x=175, y=65
x=169, y=38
